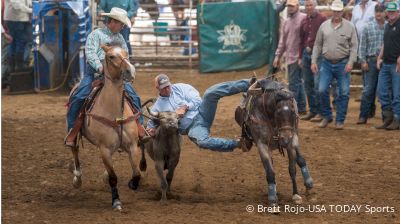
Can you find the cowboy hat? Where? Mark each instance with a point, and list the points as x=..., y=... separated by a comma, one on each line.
x=337, y=5
x=119, y=14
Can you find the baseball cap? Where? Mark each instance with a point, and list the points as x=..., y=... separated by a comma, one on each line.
x=392, y=7
x=162, y=81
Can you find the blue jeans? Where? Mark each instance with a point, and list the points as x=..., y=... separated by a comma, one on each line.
x=328, y=72
x=296, y=86
x=125, y=33
x=311, y=81
x=199, y=131
x=22, y=35
x=389, y=89
x=82, y=92
x=369, y=92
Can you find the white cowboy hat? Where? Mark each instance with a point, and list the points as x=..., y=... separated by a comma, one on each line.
x=337, y=5
x=120, y=15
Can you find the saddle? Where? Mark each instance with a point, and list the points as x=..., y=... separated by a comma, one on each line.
x=87, y=106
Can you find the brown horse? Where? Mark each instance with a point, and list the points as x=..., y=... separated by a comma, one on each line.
x=269, y=118
x=110, y=125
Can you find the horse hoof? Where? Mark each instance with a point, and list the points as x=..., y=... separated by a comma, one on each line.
x=297, y=199
x=117, y=205
x=105, y=178
x=309, y=183
x=134, y=183
x=77, y=182
x=274, y=208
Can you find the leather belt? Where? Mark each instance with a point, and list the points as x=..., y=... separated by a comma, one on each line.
x=335, y=61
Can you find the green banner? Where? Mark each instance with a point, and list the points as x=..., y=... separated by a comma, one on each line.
x=236, y=35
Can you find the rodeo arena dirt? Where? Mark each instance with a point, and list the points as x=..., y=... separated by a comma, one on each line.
x=356, y=171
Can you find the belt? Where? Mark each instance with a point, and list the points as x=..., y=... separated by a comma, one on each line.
x=372, y=56
x=336, y=61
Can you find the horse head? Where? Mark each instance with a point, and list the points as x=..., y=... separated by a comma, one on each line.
x=285, y=117
x=117, y=65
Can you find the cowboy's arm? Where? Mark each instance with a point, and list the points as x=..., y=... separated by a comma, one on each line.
x=91, y=48
x=317, y=46
x=192, y=96
x=282, y=40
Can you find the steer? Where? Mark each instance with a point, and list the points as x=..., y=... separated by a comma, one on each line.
x=164, y=148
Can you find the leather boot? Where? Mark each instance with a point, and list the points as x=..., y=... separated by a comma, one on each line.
x=395, y=125
x=387, y=119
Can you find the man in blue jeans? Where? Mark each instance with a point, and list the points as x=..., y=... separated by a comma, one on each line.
x=117, y=19
x=370, y=46
x=197, y=114
x=308, y=32
x=389, y=75
x=337, y=42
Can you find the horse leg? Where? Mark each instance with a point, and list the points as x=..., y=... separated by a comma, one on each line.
x=292, y=171
x=308, y=181
x=265, y=155
x=143, y=162
x=106, y=156
x=134, y=156
x=164, y=184
x=76, y=168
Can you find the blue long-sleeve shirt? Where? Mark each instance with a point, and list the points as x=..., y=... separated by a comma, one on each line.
x=130, y=6
x=181, y=94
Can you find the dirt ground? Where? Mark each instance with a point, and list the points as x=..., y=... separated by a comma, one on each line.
x=356, y=166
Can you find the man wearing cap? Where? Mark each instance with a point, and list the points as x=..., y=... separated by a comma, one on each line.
x=290, y=42
x=389, y=65
x=117, y=19
x=130, y=6
x=197, y=114
x=308, y=32
x=337, y=42
x=371, y=42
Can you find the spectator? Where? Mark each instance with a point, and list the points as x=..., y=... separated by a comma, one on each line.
x=17, y=17
x=290, y=42
x=6, y=39
x=337, y=42
x=389, y=75
x=308, y=32
x=370, y=46
x=131, y=7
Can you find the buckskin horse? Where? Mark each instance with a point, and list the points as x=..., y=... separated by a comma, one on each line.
x=110, y=123
x=269, y=118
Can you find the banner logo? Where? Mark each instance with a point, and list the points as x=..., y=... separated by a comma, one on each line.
x=232, y=37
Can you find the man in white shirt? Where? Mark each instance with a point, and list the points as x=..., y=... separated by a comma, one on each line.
x=17, y=15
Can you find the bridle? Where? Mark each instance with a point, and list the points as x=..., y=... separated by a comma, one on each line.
x=115, y=65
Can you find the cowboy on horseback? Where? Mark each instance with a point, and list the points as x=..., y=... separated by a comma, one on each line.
x=116, y=21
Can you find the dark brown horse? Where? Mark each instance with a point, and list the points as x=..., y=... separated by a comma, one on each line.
x=269, y=118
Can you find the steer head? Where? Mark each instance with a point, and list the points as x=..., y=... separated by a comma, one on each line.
x=167, y=121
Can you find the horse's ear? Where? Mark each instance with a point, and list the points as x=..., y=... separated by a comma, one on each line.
x=105, y=47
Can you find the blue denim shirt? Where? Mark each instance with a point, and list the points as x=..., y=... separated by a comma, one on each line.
x=181, y=94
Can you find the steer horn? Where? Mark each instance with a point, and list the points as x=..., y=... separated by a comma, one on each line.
x=153, y=114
